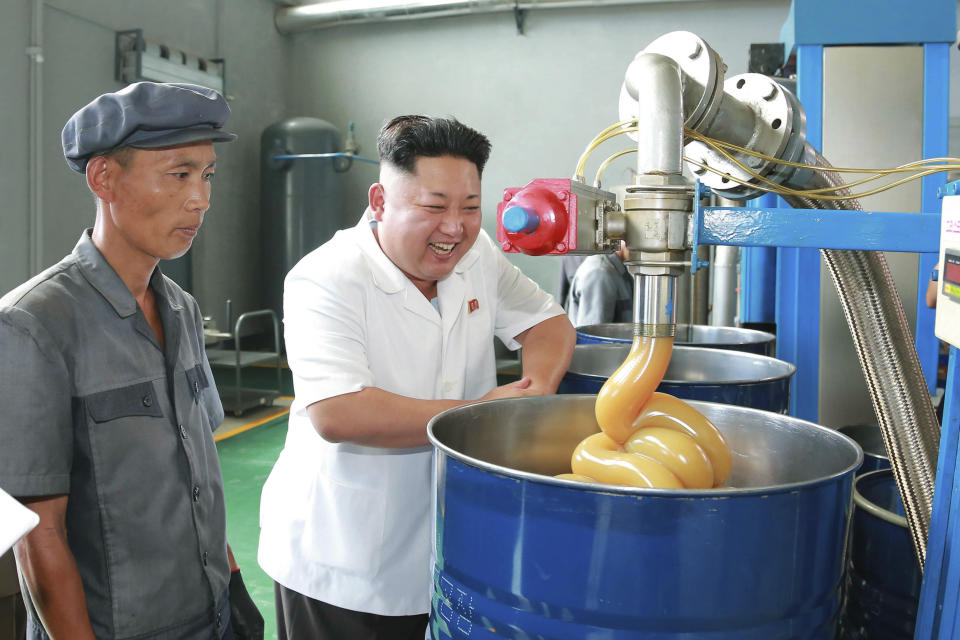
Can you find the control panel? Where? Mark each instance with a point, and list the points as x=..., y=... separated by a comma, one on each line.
x=947, y=325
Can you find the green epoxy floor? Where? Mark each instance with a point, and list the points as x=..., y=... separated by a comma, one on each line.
x=246, y=459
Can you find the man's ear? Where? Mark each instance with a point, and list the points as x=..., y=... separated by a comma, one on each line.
x=100, y=173
x=377, y=200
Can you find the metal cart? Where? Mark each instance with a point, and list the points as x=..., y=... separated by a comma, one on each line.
x=236, y=399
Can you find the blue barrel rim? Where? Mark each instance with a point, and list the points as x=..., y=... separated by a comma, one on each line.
x=728, y=492
x=789, y=369
x=756, y=336
x=872, y=508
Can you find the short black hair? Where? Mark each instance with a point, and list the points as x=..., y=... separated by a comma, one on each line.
x=406, y=138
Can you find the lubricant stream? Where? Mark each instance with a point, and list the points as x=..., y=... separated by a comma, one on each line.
x=649, y=439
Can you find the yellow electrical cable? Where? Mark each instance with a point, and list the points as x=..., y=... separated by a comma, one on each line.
x=755, y=175
x=597, y=140
x=792, y=192
x=918, y=169
x=601, y=139
x=904, y=168
x=596, y=181
x=820, y=194
x=776, y=188
x=910, y=166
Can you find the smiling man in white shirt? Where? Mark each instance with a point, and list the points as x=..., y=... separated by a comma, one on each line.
x=388, y=324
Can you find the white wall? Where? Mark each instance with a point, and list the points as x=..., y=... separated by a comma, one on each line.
x=540, y=97
x=78, y=43
x=14, y=77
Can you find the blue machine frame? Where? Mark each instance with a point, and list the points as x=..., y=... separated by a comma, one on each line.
x=936, y=131
x=799, y=229
x=758, y=275
x=798, y=295
x=820, y=228
x=937, y=614
x=798, y=300
x=806, y=32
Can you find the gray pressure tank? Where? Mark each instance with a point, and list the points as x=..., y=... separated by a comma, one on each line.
x=300, y=200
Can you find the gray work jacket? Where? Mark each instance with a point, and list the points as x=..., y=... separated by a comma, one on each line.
x=93, y=407
x=601, y=291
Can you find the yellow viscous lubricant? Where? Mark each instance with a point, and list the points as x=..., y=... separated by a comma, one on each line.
x=574, y=476
x=631, y=385
x=650, y=439
x=676, y=451
x=665, y=411
x=602, y=459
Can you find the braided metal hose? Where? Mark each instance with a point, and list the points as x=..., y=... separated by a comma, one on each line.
x=885, y=346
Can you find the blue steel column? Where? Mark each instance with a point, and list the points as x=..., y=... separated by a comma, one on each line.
x=936, y=130
x=798, y=270
x=937, y=611
x=758, y=275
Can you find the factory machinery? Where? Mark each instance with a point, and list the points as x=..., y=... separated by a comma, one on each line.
x=740, y=137
x=742, y=134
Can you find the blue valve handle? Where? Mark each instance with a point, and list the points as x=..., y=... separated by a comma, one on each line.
x=517, y=219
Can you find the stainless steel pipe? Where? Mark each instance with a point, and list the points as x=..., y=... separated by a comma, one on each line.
x=654, y=310
x=659, y=113
x=724, y=286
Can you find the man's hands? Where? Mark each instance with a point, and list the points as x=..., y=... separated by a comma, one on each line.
x=522, y=387
x=547, y=349
x=245, y=618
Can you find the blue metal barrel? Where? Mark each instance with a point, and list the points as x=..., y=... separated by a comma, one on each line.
x=520, y=554
x=883, y=578
x=695, y=373
x=688, y=335
x=870, y=439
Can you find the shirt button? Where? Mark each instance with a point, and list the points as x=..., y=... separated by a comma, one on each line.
x=219, y=619
x=196, y=387
x=183, y=432
x=147, y=401
x=204, y=558
x=196, y=493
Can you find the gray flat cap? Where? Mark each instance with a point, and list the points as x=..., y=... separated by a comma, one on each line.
x=146, y=115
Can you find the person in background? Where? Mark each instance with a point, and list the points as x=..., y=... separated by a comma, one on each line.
x=108, y=399
x=601, y=290
x=568, y=267
x=388, y=324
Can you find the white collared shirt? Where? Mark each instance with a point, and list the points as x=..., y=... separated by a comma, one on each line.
x=348, y=524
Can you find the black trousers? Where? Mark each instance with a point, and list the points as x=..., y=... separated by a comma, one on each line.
x=300, y=617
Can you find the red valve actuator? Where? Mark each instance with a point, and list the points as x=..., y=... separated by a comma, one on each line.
x=538, y=219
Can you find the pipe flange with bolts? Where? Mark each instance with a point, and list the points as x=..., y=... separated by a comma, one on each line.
x=777, y=129
x=703, y=72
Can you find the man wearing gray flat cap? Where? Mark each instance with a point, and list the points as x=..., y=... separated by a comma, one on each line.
x=109, y=404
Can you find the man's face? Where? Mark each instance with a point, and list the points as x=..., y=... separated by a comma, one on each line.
x=427, y=220
x=158, y=199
